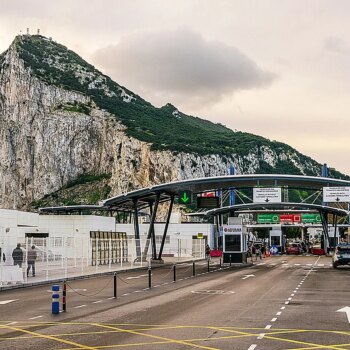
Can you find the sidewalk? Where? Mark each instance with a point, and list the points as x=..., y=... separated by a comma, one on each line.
x=58, y=274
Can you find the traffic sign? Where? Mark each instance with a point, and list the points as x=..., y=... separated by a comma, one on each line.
x=310, y=218
x=268, y=218
x=273, y=249
x=267, y=195
x=336, y=194
x=185, y=197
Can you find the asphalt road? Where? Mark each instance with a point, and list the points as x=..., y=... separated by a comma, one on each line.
x=286, y=302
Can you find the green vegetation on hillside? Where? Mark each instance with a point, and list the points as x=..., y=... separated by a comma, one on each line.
x=165, y=128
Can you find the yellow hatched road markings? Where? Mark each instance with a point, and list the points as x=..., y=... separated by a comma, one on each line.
x=49, y=337
x=116, y=328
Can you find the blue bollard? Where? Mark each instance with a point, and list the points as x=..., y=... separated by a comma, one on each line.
x=55, y=299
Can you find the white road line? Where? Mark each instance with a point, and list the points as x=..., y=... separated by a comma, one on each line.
x=125, y=294
x=33, y=318
x=261, y=335
x=274, y=319
x=157, y=285
x=110, y=298
x=131, y=278
x=77, y=307
x=278, y=313
x=97, y=301
x=295, y=291
x=292, y=295
x=3, y=302
x=268, y=326
x=286, y=302
x=145, y=288
x=11, y=323
x=290, y=299
x=283, y=307
x=297, y=264
x=320, y=265
x=253, y=346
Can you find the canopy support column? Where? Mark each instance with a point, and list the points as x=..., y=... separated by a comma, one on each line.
x=324, y=221
x=166, y=227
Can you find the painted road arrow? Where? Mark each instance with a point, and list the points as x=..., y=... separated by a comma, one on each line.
x=345, y=309
x=247, y=276
x=3, y=302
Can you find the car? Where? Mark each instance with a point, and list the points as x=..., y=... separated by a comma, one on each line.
x=294, y=248
x=341, y=255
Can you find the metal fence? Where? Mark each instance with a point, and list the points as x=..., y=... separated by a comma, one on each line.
x=64, y=257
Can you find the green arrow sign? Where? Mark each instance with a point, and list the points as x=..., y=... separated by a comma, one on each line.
x=185, y=197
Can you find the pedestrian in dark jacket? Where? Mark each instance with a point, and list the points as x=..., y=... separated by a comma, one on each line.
x=17, y=255
x=31, y=257
x=2, y=256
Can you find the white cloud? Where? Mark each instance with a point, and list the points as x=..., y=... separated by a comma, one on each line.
x=180, y=66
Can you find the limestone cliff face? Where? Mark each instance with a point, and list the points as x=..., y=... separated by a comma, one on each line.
x=48, y=139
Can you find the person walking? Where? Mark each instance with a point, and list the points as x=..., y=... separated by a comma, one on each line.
x=17, y=255
x=207, y=252
x=31, y=260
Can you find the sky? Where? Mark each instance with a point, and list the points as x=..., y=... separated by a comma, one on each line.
x=279, y=69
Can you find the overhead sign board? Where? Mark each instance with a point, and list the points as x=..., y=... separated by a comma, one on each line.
x=310, y=218
x=268, y=218
x=185, y=197
x=207, y=202
x=267, y=195
x=336, y=194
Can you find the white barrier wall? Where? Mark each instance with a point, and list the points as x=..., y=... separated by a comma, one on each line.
x=75, y=225
x=176, y=233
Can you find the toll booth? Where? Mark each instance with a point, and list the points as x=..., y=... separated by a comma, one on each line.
x=277, y=240
x=234, y=244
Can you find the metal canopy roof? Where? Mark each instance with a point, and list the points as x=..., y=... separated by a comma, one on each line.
x=148, y=195
x=320, y=208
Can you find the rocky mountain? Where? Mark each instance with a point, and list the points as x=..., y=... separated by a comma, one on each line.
x=69, y=134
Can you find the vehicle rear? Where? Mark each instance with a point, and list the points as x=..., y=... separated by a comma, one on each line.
x=341, y=255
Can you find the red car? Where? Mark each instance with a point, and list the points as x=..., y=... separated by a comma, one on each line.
x=294, y=248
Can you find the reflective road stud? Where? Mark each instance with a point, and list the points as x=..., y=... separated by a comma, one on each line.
x=55, y=299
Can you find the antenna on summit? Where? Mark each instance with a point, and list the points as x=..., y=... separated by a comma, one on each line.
x=27, y=31
x=38, y=31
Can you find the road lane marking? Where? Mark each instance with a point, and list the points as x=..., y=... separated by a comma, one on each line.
x=274, y=319
x=278, y=313
x=79, y=306
x=3, y=302
x=96, y=302
x=268, y=326
x=261, y=336
x=283, y=307
x=154, y=336
x=33, y=318
x=75, y=344
x=131, y=278
x=286, y=302
x=252, y=347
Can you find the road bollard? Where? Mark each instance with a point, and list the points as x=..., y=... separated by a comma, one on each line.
x=115, y=285
x=208, y=266
x=220, y=264
x=174, y=272
x=64, y=296
x=55, y=299
x=230, y=260
x=193, y=269
x=149, y=278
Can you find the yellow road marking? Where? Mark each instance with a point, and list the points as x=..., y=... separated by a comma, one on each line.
x=158, y=337
x=289, y=340
x=315, y=347
x=49, y=337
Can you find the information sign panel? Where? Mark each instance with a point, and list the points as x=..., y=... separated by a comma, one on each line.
x=185, y=197
x=310, y=218
x=267, y=195
x=268, y=218
x=207, y=202
x=336, y=194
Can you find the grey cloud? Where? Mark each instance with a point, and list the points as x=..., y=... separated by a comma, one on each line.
x=336, y=44
x=180, y=66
